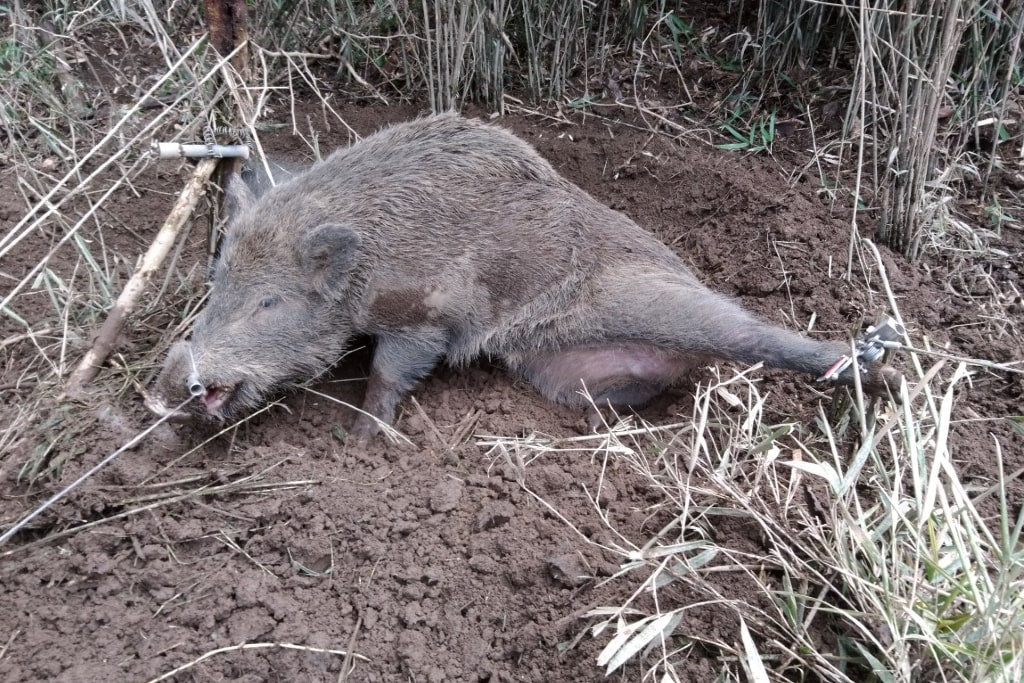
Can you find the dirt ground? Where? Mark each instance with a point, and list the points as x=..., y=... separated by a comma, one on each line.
x=434, y=562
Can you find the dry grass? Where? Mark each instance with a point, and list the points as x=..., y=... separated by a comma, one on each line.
x=867, y=531
x=887, y=547
x=932, y=112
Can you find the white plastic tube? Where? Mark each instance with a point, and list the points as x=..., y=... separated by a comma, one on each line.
x=176, y=150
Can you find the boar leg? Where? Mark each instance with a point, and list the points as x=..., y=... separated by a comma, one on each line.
x=622, y=375
x=679, y=317
x=398, y=363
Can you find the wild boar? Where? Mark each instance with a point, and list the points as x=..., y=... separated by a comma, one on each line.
x=446, y=238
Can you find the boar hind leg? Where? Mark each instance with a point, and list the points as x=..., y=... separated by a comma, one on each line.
x=399, y=361
x=683, y=317
x=621, y=376
x=689, y=319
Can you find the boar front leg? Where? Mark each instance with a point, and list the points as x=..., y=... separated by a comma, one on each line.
x=399, y=362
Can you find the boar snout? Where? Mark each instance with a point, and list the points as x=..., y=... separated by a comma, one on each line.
x=232, y=362
x=188, y=374
x=170, y=389
x=183, y=378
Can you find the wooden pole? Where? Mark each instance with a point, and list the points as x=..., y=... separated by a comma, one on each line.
x=228, y=22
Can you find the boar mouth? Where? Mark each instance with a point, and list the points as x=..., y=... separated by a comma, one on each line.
x=218, y=402
x=216, y=397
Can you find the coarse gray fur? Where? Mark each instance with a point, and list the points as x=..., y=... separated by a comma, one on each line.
x=448, y=238
x=262, y=175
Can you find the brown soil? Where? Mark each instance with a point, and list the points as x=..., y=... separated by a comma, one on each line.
x=434, y=562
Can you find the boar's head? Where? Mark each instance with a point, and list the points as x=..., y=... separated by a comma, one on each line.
x=277, y=310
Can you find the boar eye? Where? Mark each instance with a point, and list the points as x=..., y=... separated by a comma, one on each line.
x=268, y=302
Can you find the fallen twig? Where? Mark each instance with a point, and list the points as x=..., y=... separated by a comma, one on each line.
x=429, y=427
x=31, y=334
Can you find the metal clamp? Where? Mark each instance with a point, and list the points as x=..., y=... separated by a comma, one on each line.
x=869, y=347
x=208, y=148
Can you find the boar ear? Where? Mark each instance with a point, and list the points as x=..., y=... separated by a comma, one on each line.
x=237, y=196
x=327, y=254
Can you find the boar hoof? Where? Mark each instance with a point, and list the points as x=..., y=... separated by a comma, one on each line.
x=364, y=429
x=593, y=421
x=884, y=382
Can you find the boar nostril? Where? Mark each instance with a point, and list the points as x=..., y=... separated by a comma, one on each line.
x=195, y=387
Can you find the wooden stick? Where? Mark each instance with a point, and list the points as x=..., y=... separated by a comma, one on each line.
x=70, y=87
x=228, y=23
x=129, y=297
